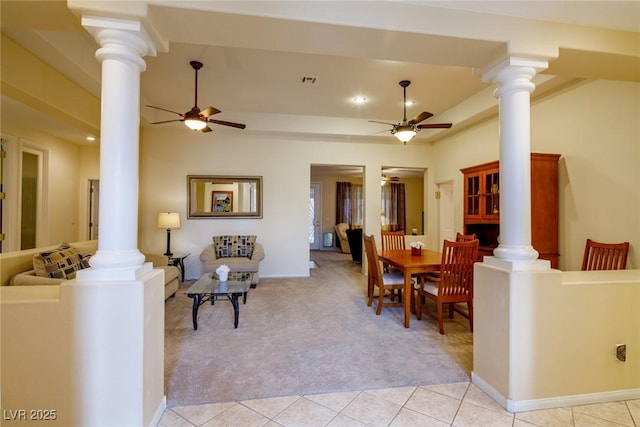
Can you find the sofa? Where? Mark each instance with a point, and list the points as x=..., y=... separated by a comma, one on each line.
x=19, y=268
x=241, y=253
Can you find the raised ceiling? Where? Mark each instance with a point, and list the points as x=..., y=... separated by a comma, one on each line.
x=255, y=59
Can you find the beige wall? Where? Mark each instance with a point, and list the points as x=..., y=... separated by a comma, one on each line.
x=595, y=128
x=545, y=339
x=169, y=154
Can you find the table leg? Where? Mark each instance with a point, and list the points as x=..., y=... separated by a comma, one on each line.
x=181, y=268
x=196, y=303
x=407, y=298
x=236, y=309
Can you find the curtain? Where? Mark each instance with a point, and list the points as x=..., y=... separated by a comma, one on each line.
x=394, y=216
x=343, y=202
x=349, y=201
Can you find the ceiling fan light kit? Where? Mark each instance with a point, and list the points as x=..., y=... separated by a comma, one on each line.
x=406, y=130
x=196, y=119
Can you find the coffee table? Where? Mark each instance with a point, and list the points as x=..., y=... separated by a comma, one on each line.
x=209, y=288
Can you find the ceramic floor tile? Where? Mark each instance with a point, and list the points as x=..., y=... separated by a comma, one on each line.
x=335, y=401
x=372, y=410
x=171, y=419
x=559, y=417
x=304, y=412
x=237, y=416
x=270, y=407
x=584, y=420
x=433, y=404
x=617, y=412
x=200, y=414
x=520, y=423
x=634, y=408
x=455, y=390
x=478, y=397
x=408, y=418
x=471, y=415
x=343, y=421
x=397, y=395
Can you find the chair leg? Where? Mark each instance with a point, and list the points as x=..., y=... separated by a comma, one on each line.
x=470, y=306
x=380, y=301
x=451, y=311
x=418, y=301
x=440, y=320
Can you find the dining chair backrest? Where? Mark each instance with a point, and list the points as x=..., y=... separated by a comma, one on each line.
x=605, y=256
x=393, y=240
x=465, y=237
x=456, y=268
x=373, y=262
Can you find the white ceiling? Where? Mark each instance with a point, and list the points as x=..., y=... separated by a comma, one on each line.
x=253, y=67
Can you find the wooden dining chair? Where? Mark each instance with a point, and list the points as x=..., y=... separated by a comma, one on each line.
x=387, y=283
x=605, y=256
x=455, y=284
x=435, y=275
x=465, y=237
x=393, y=240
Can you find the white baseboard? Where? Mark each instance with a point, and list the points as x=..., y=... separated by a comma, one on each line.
x=553, y=402
x=158, y=415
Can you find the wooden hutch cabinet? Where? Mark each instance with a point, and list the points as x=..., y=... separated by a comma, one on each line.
x=482, y=205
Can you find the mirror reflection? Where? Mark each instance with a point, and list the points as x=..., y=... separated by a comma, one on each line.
x=221, y=196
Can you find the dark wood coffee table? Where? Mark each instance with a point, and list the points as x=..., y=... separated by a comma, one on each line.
x=209, y=288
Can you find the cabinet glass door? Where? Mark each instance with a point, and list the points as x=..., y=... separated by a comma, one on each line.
x=473, y=195
x=492, y=193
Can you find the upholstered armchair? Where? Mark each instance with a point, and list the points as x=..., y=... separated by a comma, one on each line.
x=341, y=231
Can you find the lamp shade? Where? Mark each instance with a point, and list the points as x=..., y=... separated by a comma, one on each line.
x=195, y=123
x=168, y=220
x=405, y=133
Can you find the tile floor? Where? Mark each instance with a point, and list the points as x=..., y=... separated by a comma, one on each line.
x=459, y=404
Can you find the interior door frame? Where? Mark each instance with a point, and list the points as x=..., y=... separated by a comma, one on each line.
x=317, y=216
x=446, y=214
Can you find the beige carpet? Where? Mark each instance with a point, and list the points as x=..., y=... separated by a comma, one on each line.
x=305, y=336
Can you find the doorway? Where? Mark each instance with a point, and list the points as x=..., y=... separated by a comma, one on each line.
x=445, y=212
x=315, y=216
x=94, y=199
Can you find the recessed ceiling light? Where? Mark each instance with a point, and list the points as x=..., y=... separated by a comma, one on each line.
x=359, y=99
x=91, y=138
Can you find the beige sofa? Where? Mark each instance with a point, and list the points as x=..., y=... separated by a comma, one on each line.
x=240, y=253
x=16, y=268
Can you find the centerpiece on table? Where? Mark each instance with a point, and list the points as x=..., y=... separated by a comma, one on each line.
x=416, y=248
x=223, y=273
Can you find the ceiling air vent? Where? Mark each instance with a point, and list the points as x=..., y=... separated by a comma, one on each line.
x=310, y=80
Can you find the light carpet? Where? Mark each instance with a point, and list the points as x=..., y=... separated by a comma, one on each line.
x=305, y=336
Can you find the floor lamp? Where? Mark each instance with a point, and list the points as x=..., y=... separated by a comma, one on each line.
x=168, y=220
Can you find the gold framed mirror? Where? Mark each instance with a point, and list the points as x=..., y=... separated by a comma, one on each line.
x=224, y=196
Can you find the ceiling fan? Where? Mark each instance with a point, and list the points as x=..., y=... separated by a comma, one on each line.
x=197, y=119
x=407, y=129
x=384, y=179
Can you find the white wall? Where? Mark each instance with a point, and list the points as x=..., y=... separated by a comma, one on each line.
x=595, y=128
x=170, y=153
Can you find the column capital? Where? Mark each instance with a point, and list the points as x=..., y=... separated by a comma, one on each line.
x=514, y=72
x=120, y=38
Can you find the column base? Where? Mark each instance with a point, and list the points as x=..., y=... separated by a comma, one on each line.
x=517, y=264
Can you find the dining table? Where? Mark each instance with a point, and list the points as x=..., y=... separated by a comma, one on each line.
x=410, y=264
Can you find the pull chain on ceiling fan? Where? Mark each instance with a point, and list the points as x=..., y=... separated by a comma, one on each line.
x=196, y=119
x=406, y=130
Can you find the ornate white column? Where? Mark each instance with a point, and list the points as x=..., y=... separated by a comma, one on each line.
x=513, y=77
x=123, y=44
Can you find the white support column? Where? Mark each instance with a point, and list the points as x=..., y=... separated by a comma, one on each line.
x=513, y=77
x=123, y=44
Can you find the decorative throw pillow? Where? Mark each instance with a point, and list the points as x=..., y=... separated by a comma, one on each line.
x=234, y=246
x=59, y=263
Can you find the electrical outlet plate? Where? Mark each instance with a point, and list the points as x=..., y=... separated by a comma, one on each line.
x=621, y=352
